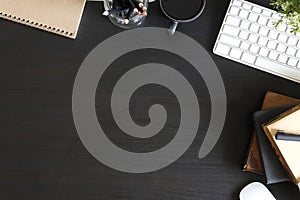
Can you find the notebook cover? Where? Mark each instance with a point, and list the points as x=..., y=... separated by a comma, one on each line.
x=253, y=162
x=287, y=151
x=60, y=16
x=273, y=168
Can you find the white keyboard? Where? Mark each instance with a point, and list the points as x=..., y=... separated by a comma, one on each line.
x=248, y=36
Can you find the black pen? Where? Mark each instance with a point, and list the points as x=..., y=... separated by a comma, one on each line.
x=281, y=135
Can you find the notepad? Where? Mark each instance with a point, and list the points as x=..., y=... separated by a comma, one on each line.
x=287, y=151
x=57, y=16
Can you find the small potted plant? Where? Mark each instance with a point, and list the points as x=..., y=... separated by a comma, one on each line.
x=290, y=13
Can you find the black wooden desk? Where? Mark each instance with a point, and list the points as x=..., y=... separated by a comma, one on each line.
x=41, y=155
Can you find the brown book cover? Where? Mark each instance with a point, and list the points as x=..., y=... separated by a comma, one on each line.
x=287, y=151
x=253, y=162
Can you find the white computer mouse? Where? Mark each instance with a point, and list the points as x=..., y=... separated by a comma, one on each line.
x=256, y=191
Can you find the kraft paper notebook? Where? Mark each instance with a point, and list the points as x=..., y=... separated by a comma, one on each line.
x=253, y=161
x=57, y=16
x=287, y=151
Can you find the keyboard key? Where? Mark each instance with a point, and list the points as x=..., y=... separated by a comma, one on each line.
x=231, y=30
x=291, y=51
x=273, y=34
x=263, y=31
x=271, y=23
x=256, y=9
x=273, y=55
x=245, y=24
x=254, y=28
x=262, y=20
x=253, y=38
x=281, y=47
x=266, y=13
x=254, y=49
x=234, y=10
x=262, y=41
x=245, y=46
x=292, y=62
x=289, y=30
x=248, y=58
x=230, y=40
x=253, y=17
x=282, y=27
x=282, y=38
x=282, y=58
x=276, y=16
x=298, y=54
x=233, y=21
x=292, y=41
x=235, y=53
x=272, y=44
x=244, y=14
x=275, y=67
x=263, y=52
x=247, y=6
x=237, y=3
x=298, y=44
x=244, y=35
x=221, y=48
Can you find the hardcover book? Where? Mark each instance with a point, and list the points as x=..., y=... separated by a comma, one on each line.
x=273, y=168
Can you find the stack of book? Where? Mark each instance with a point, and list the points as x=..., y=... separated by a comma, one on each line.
x=274, y=149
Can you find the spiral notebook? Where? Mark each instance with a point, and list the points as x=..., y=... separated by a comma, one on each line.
x=57, y=16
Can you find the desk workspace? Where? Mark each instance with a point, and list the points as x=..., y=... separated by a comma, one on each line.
x=193, y=113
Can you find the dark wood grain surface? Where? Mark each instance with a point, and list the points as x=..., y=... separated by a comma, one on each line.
x=41, y=155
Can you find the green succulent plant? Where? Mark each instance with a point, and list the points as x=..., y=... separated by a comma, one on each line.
x=290, y=13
